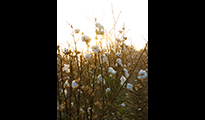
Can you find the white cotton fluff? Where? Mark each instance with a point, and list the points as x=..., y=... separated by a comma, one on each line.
x=124, y=48
x=99, y=32
x=74, y=84
x=122, y=79
x=123, y=104
x=142, y=74
x=86, y=39
x=107, y=53
x=88, y=56
x=111, y=70
x=65, y=68
x=107, y=90
x=126, y=73
x=104, y=58
x=128, y=64
x=119, y=61
x=119, y=54
x=95, y=48
x=129, y=86
x=77, y=30
x=99, y=79
x=99, y=25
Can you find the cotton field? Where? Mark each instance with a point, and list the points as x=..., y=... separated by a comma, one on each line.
x=107, y=82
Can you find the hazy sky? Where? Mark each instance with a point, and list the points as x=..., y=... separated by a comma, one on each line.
x=134, y=15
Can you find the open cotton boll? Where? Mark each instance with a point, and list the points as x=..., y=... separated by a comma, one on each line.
x=104, y=58
x=107, y=90
x=122, y=79
x=129, y=86
x=77, y=30
x=119, y=54
x=86, y=39
x=65, y=68
x=99, y=25
x=123, y=104
x=99, y=32
x=142, y=74
x=95, y=48
x=74, y=84
x=126, y=73
x=124, y=48
x=107, y=53
x=111, y=70
x=119, y=61
x=88, y=56
x=99, y=79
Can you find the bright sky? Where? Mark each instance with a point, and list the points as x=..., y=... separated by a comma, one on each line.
x=134, y=15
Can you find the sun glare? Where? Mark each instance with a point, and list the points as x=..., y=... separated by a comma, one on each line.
x=81, y=15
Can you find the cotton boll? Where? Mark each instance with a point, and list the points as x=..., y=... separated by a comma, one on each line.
x=99, y=25
x=142, y=74
x=124, y=48
x=128, y=64
x=119, y=54
x=104, y=58
x=74, y=84
x=65, y=68
x=129, y=86
x=77, y=30
x=139, y=77
x=119, y=61
x=107, y=53
x=88, y=56
x=99, y=79
x=123, y=104
x=86, y=39
x=111, y=70
x=110, y=75
x=122, y=79
x=126, y=74
x=107, y=90
x=95, y=48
